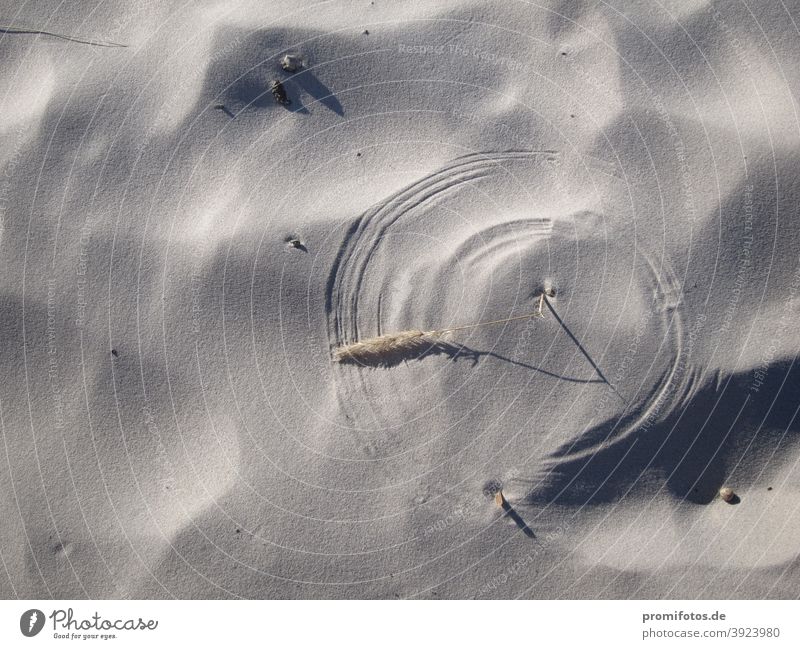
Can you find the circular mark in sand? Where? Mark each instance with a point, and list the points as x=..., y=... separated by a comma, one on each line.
x=480, y=240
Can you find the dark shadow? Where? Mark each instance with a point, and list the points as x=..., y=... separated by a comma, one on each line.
x=243, y=78
x=534, y=368
x=225, y=110
x=296, y=106
x=310, y=84
x=254, y=90
x=724, y=431
x=514, y=516
x=575, y=340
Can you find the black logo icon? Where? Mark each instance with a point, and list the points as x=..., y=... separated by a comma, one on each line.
x=31, y=622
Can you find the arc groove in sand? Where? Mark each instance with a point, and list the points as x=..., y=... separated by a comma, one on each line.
x=388, y=212
x=347, y=269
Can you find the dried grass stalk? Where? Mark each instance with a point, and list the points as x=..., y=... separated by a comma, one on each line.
x=405, y=343
x=13, y=29
x=376, y=349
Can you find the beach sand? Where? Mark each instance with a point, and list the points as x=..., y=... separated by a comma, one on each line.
x=180, y=255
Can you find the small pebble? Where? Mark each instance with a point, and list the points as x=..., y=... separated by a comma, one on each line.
x=114, y=353
x=366, y=32
x=291, y=63
x=727, y=494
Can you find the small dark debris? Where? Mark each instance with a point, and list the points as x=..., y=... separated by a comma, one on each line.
x=563, y=53
x=114, y=353
x=366, y=32
x=224, y=109
x=297, y=244
x=550, y=292
x=573, y=116
x=238, y=531
x=279, y=93
x=358, y=155
x=491, y=488
x=769, y=488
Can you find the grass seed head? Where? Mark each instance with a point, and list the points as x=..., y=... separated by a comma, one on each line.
x=373, y=350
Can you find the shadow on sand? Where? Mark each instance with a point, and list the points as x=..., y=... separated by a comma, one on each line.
x=723, y=432
x=307, y=82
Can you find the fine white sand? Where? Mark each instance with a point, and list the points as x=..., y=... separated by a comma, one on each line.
x=441, y=162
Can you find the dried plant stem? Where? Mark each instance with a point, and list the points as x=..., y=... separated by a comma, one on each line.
x=490, y=322
x=12, y=29
x=405, y=342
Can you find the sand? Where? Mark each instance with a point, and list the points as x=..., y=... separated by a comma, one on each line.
x=181, y=255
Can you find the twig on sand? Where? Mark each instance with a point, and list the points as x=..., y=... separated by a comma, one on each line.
x=9, y=29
